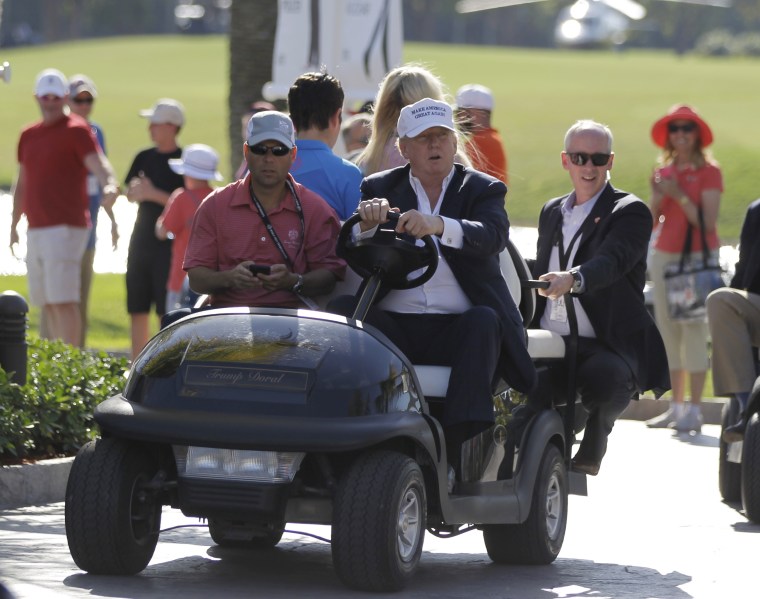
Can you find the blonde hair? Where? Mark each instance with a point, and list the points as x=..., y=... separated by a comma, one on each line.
x=402, y=86
x=700, y=156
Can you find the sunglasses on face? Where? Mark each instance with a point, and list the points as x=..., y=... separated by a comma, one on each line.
x=83, y=100
x=581, y=158
x=261, y=150
x=686, y=127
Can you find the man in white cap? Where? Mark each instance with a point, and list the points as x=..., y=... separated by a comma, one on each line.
x=197, y=166
x=485, y=147
x=264, y=240
x=150, y=182
x=82, y=95
x=55, y=155
x=464, y=317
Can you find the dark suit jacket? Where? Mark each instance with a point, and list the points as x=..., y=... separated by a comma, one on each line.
x=747, y=275
x=611, y=257
x=475, y=200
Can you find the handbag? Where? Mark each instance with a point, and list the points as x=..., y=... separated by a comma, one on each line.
x=689, y=281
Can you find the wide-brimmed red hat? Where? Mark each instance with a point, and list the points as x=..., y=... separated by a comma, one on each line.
x=680, y=112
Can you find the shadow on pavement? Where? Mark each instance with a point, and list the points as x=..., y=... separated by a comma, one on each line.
x=298, y=569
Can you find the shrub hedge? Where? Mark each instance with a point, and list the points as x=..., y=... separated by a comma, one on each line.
x=51, y=415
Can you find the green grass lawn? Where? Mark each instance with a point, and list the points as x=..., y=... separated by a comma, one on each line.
x=109, y=321
x=539, y=93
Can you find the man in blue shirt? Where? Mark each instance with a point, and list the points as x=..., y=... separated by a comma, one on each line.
x=315, y=101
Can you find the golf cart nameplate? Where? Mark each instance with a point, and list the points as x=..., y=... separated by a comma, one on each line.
x=246, y=377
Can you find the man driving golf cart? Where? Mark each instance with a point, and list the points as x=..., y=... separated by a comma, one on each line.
x=464, y=316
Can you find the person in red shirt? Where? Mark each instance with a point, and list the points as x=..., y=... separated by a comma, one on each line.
x=265, y=219
x=485, y=147
x=55, y=155
x=198, y=166
x=686, y=181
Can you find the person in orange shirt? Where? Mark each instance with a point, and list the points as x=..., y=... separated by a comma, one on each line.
x=485, y=147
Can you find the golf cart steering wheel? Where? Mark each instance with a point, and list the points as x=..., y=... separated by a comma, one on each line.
x=388, y=254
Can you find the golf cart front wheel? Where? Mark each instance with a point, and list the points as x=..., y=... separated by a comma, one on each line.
x=112, y=517
x=379, y=522
x=539, y=539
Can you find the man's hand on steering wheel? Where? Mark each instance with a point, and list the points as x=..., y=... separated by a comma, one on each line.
x=374, y=212
x=418, y=225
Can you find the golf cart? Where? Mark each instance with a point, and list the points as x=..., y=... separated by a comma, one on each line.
x=739, y=462
x=251, y=418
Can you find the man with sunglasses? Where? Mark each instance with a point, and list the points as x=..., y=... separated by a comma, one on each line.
x=266, y=219
x=82, y=94
x=592, y=248
x=55, y=154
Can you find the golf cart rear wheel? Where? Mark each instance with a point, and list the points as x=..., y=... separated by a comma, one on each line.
x=539, y=539
x=228, y=533
x=379, y=522
x=751, y=469
x=112, y=518
x=729, y=473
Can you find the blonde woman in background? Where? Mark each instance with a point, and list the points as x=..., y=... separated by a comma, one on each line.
x=401, y=87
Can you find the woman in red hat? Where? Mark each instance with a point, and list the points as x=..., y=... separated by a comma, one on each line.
x=686, y=180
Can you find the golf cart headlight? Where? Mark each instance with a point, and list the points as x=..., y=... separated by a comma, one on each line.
x=262, y=466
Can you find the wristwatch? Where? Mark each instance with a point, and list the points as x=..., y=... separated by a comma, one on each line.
x=578, y=281
x=299, y=285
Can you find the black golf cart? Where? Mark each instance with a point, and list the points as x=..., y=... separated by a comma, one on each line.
x=251, y=418
x=739, y=462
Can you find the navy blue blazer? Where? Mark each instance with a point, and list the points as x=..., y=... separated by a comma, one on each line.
x=476, y=201
x=747, y=275
x=611, y=256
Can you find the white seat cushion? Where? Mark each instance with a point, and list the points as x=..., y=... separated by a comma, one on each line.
x=545, y=345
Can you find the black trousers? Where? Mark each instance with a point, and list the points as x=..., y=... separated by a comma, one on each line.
x=605, y=384
x=469, y=343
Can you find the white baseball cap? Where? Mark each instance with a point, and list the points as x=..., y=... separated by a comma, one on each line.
x=198, y=161
x=423, y=115
x=270, y=124
x=165, y=110
x=81, y=83
x=51, y=82
x=475, y=96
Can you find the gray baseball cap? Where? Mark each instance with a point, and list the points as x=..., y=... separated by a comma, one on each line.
x=270, y=124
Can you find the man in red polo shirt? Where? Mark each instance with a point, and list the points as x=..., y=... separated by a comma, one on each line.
x=265, y=219
x=55, y=156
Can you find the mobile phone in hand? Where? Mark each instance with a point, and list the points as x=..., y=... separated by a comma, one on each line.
x=259, y=269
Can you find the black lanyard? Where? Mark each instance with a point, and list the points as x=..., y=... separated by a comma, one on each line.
x=564, y=255
x=270, y=228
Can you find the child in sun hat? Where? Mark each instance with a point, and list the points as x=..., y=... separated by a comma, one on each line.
x=198, y=166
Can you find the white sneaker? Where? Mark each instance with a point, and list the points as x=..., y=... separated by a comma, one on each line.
x=664, y=420
x=690, y=421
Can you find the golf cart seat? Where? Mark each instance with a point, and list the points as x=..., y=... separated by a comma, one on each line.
x=542, y=345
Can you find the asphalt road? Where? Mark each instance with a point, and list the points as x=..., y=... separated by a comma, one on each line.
x=652, y=526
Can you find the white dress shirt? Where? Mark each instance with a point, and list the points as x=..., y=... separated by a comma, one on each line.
x=554, y=317
x=442, y=293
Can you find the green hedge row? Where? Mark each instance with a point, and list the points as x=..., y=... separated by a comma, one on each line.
x=51, y=415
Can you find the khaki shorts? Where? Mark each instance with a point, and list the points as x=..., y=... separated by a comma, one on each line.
x=54, y=262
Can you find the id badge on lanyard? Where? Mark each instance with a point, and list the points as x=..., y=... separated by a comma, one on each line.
x=559, y=310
